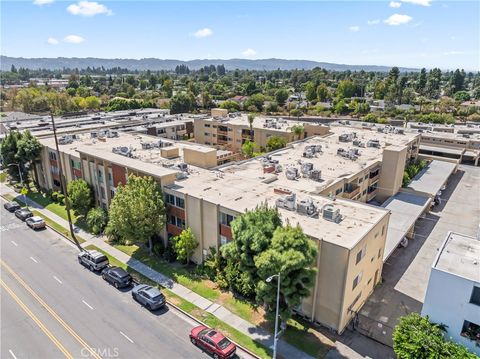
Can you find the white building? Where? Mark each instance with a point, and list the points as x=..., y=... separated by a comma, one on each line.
x=453, y=293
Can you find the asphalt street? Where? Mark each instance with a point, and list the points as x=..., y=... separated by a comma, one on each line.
x=52, y=307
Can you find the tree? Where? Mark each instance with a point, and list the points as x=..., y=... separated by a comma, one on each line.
x=310, y=91
x=185, y=244
x=250, y=119
x=341, y=107
x=298, y=131
x=281, y=96
x=137, y=212
x=322, y=93
x=255, y=100
x=252, y=234
x=345, y=89
x=97, y=220
x=275, y=143
x=167, y=86
x=181, y=103
x=80, y=195
x=462, y=96
x=248, y=148
x=9, y=151
x=416, y=337
x=292, y=254
x=422, y=81
x=457, y=80
x=230, y=105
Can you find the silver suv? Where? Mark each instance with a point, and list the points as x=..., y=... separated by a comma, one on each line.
x=94, y=260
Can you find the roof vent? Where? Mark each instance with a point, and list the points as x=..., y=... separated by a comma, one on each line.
x=287, y=202
x=330, y=213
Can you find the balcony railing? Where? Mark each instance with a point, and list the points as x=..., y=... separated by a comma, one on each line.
x=351, y=191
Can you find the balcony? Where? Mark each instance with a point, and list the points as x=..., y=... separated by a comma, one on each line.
x=374, y=176
x=173, y=230
x=350, y=190
x=225, y=231
x=221, y=132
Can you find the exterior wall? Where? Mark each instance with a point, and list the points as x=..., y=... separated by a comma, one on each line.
x=219, y=112
x=200, y=158
x=312, y=129
x=447, y=302
x=391, y=176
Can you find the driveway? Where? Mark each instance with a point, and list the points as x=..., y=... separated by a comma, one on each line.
x=406, y=273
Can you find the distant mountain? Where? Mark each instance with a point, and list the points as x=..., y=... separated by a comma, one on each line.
x=158, y=64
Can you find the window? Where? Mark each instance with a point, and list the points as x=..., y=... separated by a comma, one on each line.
x=110, y=178
x=470, y=330
x=366, y=177
x=75, y=164
x=361, y=254
x=207, y=134
x=360, y=180
x=383, y=230
x=226, y=219
x=223, y=240
x=207, y=125
x=56, y=182
x=179, y=202
x=102, y=191
x=364, y=192
x=100, y=175
x=176, y=221
x=357, y=280
x=52, y=155
x=112, y=193
x=55, y=170
x=379, y=252
x=475, y=297
x=338, y=191
x=357, y=298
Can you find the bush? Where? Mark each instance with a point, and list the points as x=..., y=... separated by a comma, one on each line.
x=54, y=196
x=158, y=245
x=97, y=220
x=169, y=254
x=61, y=199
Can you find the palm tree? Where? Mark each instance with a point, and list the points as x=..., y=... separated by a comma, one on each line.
x=250, y=118
x=298, y=131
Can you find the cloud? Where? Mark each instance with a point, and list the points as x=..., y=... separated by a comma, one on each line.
x=450, y=53
x=373, y=22
x=249, y=52
x=418, y=2
x=52, y=41
x=88, y=8
x=397, y=19
x=354, y=28
x=205, y=32
x=74, y=39
x=453, y=38
x=395, y=4
x=42, y=2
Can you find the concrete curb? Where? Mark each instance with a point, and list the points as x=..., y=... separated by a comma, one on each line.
x=168, y=302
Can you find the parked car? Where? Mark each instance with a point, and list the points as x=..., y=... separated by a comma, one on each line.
x=11, y=206
x=213, y=342
x=148, y=296
x=35, y=222
x=94, y=260
x=23, y=213
x=117, y=276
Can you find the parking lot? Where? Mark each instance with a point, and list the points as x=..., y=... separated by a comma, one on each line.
x=406, y=273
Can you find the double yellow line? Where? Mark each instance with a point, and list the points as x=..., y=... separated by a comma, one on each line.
x=48, y=309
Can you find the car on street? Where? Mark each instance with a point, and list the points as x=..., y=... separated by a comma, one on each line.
x=35, y=222
x=213, y=342
x=11, y=206
x=149, y=296
x=117, y=276
x=23, y=213
x=93, y=260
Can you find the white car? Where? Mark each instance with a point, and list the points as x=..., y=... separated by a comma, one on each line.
x=35, y=222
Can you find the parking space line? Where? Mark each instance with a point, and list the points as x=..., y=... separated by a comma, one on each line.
x=12, y=354
x=88, y=305
x=15, y=244
x=130, y=340
x=33, y=259
x=58, y=280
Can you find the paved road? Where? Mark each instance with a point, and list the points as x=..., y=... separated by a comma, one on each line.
x=52, y=307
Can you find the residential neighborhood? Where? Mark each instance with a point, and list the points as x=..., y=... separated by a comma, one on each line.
x=239, y=207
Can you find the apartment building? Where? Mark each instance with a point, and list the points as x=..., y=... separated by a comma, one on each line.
x=453, y=292
x=231, y=131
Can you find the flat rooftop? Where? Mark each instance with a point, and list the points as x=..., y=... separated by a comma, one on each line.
x=239, y=194
x=460, y=255
x=146, y=157
x=405, y=209
x=432, y=178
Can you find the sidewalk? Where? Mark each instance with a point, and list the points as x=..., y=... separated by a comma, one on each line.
x=258, y=334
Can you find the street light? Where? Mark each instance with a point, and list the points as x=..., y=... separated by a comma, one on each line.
x=21, y=181
x=275, y=339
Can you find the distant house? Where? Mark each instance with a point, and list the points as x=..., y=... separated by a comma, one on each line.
x=239, y=99
x=470, y=103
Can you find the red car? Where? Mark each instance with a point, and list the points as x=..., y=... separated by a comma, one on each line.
x=212, y=342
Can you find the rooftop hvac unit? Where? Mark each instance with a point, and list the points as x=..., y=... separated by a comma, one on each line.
x=123, y=150
x=111, y=134
x=330, y=213
x=400, y=131
x=287, y=202
x=182, y=167
x=340, y=151
x=292, y=173
x=345, y=137
x=65, y=140
x=307, y=207
x=373, y=143
x=358, y=143
x=94, y=134
x=181, y=175
x=307, y=167
x=316, y=175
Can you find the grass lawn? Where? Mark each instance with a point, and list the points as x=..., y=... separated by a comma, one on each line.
x=193, y=310
x=3, y=177
x=58, y=227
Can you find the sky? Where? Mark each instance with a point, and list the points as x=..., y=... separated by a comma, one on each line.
x=408, y=33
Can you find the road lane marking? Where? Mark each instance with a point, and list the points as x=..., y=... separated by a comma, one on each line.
x=88, y=305
x=15, y=244
x=49, y=309
x=12, y=354
x=130, y=340
x=36, y=320
x=58, y=280
x=33, y=259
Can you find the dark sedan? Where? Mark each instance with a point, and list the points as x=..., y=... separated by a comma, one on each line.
x=117, y=276
x=11, y=206
x=23, y=213
x=148, y=296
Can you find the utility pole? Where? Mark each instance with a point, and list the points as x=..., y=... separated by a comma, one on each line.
x=64, y=185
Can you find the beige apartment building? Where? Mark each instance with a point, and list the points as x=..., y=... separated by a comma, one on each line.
x=320, y=183
x=231, y=131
